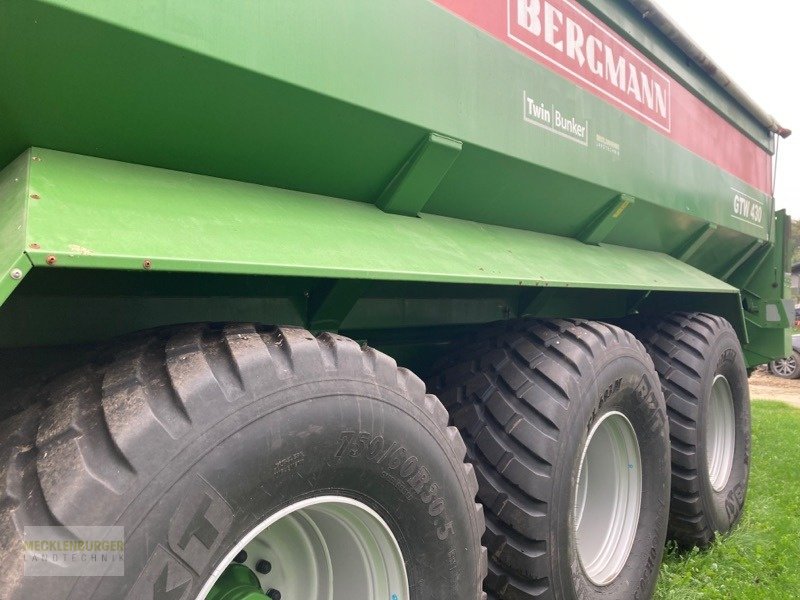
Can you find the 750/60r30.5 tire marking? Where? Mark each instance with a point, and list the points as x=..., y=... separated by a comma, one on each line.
x=527, y=395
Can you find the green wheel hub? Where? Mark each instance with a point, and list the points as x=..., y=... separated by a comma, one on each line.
x=237, y=582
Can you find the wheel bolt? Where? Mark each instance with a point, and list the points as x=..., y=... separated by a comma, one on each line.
x=241, y=557
x=274, y=595
x=263, y=566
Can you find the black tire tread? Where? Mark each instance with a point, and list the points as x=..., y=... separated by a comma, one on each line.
x=82, y=437
x=513, y=441
x=679, y=345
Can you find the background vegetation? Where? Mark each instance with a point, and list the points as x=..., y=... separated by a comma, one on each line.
x=761, y=558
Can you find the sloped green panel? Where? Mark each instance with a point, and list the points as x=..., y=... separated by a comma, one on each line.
x=96, y=213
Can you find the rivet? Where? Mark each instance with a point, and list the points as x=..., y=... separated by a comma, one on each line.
x=35, y=197
x=35, y=246
x=147, y=264
x=36, y=158
x=16, y=274
x=51, y=260
x=241, y=557
x=274, y=595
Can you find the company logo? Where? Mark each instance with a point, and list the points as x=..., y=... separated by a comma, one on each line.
x=554, y=120
x=52, y=551
x=571, y=38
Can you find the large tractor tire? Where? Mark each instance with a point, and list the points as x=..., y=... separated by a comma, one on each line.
x=704, y=378
x=246, y=463
x=566, y=426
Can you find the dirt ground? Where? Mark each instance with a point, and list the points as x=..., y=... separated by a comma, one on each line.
x=764, y=386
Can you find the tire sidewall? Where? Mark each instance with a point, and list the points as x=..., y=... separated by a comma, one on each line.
x=724, y=508
x=625, y=382
x=295, y=444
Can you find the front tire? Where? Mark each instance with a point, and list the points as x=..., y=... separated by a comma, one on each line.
x=566, y=425
x=191, y=438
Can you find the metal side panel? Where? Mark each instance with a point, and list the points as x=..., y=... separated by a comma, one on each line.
x=333, y=98
x=100, y=214
x=14, y=264
x=766, y=297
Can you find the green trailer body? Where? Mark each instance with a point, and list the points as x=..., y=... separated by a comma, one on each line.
x=559, y=213
x=397, y=171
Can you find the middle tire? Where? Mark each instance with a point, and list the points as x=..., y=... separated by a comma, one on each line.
x=566, y=425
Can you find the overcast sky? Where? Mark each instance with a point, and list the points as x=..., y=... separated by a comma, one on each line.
x=756, y=44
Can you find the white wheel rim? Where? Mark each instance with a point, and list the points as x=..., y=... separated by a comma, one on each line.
x=720, y=434
x=608, y=498
x=325, y=548
x=785, y=366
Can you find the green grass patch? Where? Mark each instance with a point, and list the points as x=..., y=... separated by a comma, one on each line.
x=761, y=558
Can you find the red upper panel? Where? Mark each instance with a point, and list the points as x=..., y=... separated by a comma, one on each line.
x=566, y=38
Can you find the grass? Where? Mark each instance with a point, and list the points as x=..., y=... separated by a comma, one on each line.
x=761, y=558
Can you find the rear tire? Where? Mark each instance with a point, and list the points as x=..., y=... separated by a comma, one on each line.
x=700, y=362
x=527, y=396
x=193, y=437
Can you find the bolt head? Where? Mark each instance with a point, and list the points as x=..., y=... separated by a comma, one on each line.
x=51, y=260
x=274, y=595
x=241, y=557
x=16, y=274
x=263, y=566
